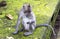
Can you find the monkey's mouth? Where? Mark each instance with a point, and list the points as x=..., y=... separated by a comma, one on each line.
x=28, y=11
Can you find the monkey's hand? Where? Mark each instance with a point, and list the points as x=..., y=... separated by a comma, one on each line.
x=31, y=22
x=16, y=32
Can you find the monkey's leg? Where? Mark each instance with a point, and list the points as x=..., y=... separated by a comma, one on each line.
x=28, y=33
x=24, y=23
x=32, y=28
x=27, y=28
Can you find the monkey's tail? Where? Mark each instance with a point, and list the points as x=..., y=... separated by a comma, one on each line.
x=47, y=25
x=42, y=25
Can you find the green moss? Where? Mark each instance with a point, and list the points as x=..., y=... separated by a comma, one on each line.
x=43, y=9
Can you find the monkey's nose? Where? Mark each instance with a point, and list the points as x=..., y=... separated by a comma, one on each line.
x=26, y=8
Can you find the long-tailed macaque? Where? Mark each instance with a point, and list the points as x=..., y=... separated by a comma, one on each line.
x=28, y=20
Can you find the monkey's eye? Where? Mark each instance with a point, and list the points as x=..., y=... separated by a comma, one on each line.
x=29, y=6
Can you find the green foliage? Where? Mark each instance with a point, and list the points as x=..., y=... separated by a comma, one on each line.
x=43, y=10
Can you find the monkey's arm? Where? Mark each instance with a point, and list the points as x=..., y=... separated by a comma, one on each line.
x=33, y=16
x=18, y=22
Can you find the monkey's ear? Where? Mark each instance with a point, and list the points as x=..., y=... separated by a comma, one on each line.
x=23, y=6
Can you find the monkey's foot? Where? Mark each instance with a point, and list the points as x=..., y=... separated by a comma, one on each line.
x=27, y=33
x=16, y=32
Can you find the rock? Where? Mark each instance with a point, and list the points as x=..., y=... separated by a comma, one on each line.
x=7, y=37
x=9, y=16
x=3, y=3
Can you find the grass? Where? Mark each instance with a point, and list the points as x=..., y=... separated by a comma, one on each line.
x=43, y=9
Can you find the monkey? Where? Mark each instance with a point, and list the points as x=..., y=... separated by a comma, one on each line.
x=28, y=20
x=3, y=3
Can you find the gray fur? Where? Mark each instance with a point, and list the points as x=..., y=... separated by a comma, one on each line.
x=28, y=21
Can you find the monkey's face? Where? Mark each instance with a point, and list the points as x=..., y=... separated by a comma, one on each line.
x=27, y=8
